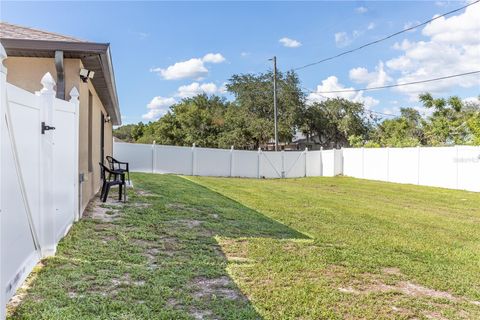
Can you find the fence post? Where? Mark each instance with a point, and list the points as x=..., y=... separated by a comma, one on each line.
x=74, y=95
x=363, y=163
x=321, y=162
x=458, y=164
x=418, y=165
x=342, y=162
x=259, y=155
x=231, y=161
x=305, y=153
x=283, y=163
x=154, y=160
x=194, y=160
x=47, y=205
x=3, y=102
x=388, y=163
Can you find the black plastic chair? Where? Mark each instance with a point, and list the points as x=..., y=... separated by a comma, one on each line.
x=118, y=180
x=120, y=166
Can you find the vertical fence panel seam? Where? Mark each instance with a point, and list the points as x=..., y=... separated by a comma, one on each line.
x=231, y=161
x=457, y=162
x=418, y=165
x=259, y=153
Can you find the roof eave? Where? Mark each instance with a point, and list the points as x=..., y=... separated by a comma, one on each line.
x=81, y=48
x=38, y=45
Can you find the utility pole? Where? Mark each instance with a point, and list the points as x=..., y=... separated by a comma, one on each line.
x=274, y=59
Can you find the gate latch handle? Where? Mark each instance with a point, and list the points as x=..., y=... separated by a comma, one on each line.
x=45, y=128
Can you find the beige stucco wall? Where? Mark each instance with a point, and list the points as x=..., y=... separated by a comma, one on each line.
x=26, y=73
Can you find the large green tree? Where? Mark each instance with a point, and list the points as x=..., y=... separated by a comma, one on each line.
x=125, y=133
x=403, y=131
x=198, y=120
x=334, y=121
x=252, y=108
x=448, y=124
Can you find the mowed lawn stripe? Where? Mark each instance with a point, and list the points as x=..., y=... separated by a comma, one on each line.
x=429, y=236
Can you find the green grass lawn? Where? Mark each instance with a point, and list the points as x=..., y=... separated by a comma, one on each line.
x=312, y=248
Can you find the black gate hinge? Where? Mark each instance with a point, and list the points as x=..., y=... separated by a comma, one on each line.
x=45, y=128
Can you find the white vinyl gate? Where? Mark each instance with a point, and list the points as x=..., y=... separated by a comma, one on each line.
x=38, y=175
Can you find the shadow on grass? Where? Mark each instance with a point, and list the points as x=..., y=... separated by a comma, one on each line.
x=192, y=218
x=161, y=258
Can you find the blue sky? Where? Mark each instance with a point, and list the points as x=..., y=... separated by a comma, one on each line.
x=204, y=43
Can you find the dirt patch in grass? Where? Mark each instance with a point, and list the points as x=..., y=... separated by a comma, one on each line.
x=74, y=295
x=151, y=253
x=372, y=283
x=194, y=312
x=413, y=289
x=200, y=314
x=173, y=303
x=97, y=210
x=192, y=224
x=100, y=227
x=143, y=193
x=434, y=315
x=152, y=249
x=215, y=287
x=105, y=239
x=143, y=243
x=170, y=246
x=142, y=205
x=127, y=280
x=112, y=288
x=392, y=271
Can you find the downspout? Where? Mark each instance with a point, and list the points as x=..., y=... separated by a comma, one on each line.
x=60, y=75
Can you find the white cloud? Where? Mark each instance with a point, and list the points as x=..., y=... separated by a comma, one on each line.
x=244, y=54
x=452, y=47
x=376, y=78
x=343, y=39
x=196, y=88
x=193, y=68
x=213, y=58
x=290, y=43
x=361, y=10
x=158, y=107
x=332, y=84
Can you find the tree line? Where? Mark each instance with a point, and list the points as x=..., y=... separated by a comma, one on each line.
x=246, y=122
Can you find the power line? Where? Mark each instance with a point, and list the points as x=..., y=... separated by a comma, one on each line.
x=384, y=38
x=396, y=85
x=383, y=114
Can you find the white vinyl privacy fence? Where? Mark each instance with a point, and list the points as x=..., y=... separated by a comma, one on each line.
x=228, y=162
x=455, y=167
x=38, y=177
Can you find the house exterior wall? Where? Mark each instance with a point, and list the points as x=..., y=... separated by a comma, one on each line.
x=26, y=72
